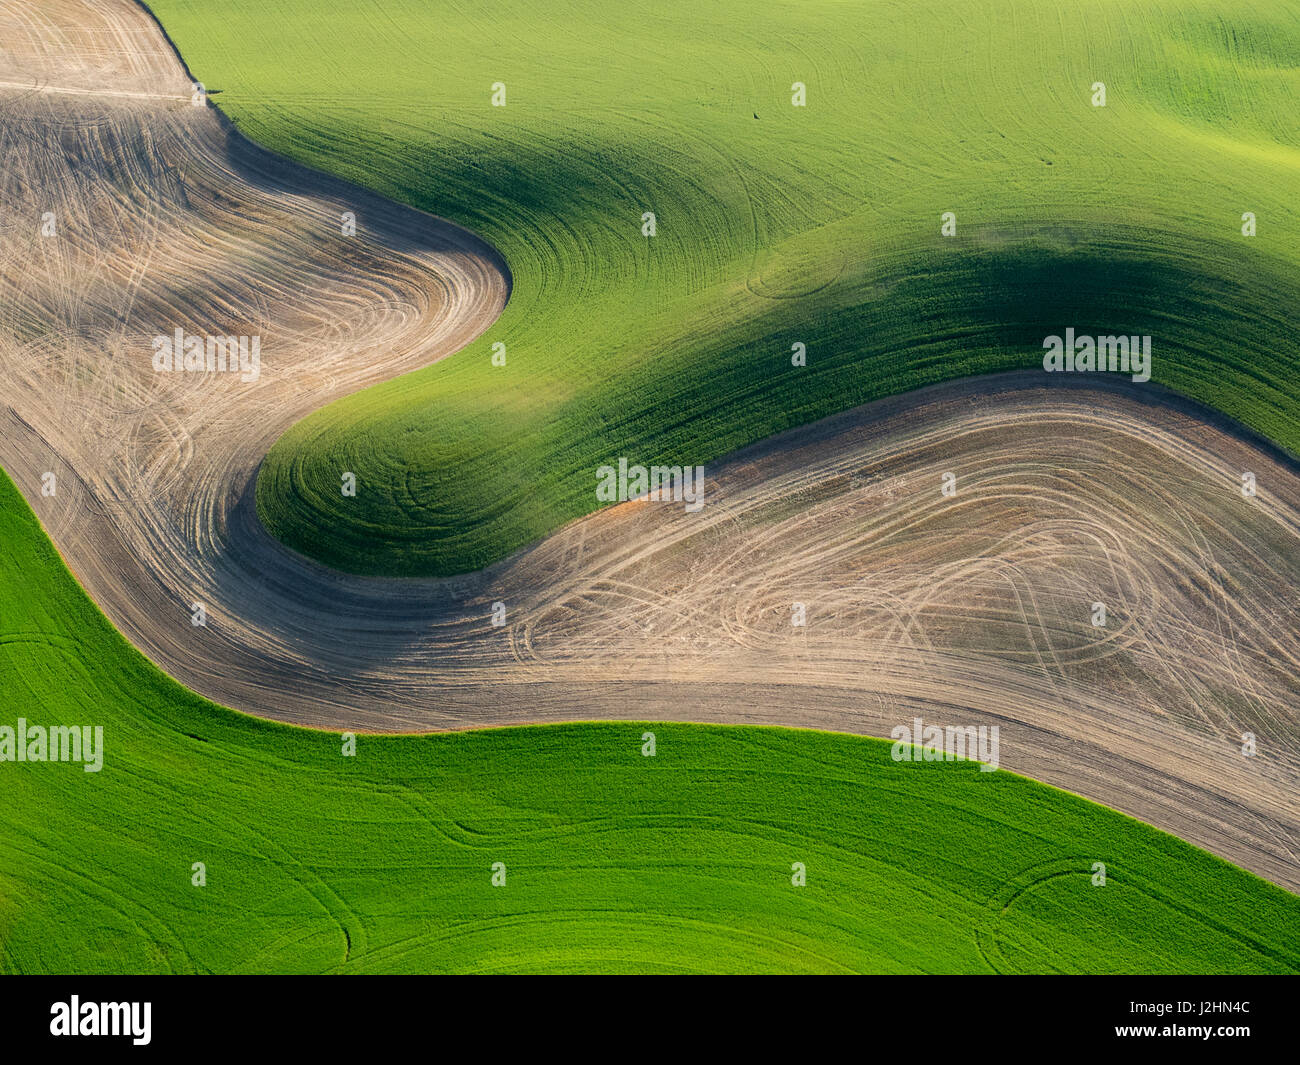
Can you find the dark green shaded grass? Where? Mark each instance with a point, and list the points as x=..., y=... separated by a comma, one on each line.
x=818, y=225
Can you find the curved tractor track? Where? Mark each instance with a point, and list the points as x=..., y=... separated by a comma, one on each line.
x=970, y=609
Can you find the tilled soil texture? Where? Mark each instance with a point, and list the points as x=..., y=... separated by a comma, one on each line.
x=974, y=608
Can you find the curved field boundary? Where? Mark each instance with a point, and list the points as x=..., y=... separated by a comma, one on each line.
x=965, y=610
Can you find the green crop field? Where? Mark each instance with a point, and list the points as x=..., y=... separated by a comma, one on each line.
x=775, y=224
x=382, y=861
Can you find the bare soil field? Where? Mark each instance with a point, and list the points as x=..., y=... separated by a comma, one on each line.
x=967, y=609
